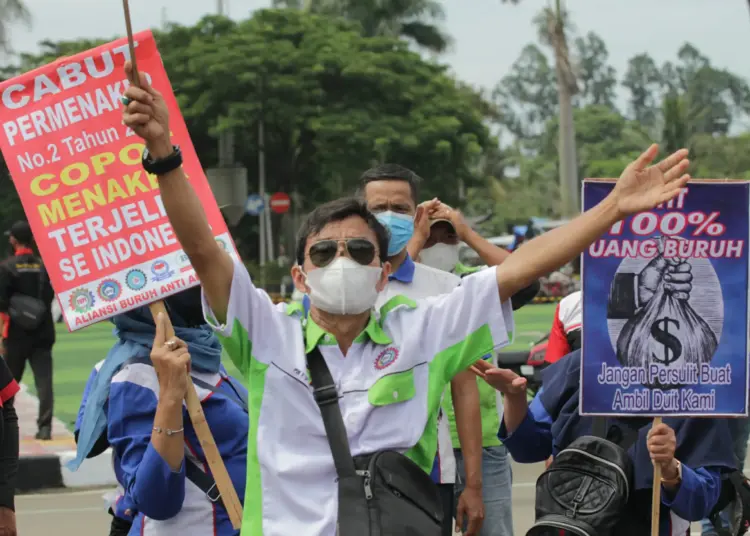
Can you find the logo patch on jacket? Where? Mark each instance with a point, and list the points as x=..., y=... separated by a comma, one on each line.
x=386, y=358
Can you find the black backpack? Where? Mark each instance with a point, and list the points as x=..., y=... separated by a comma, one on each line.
x=28, y=312
x=587, y=487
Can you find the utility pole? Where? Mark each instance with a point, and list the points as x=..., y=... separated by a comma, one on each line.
x=262, y=189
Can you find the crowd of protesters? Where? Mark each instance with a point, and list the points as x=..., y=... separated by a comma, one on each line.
x=394, y=334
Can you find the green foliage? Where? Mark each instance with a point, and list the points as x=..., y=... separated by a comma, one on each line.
x=11, y=12
x=334, y=102
x=686, y=103
x=417, y=20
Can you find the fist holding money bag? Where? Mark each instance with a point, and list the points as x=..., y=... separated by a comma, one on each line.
x=665, y=330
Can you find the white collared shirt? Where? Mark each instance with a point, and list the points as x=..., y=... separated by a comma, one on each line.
x=390, y=382
x=426, y=282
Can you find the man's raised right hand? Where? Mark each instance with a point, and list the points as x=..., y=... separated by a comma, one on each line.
x=146, y=112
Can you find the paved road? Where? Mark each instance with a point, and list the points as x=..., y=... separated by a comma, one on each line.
x=82, y=513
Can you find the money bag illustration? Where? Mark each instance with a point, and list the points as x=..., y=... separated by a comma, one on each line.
x=666, y=332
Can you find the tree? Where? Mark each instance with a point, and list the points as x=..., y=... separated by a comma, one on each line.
x=644, y=82
x=417, y=20
x=11, y=12
x=596, y=77
x=685, y=103
x=552, y=22
x=527, y=96
x=334, y=102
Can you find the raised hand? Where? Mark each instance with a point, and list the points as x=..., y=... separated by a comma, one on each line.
x=444, y=212
x=642, y=186
x=504, y=380
x=171, y=361
x=422, y=218
x=145, y=111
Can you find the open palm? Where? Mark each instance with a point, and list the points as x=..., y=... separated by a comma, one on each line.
x=642, y=186
x=504, y=380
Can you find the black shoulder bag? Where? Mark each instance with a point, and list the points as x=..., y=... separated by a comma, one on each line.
x=380, y=494
x=28, y=312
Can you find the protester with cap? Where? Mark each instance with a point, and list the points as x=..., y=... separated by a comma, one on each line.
x=26, y=297
x=439, y=232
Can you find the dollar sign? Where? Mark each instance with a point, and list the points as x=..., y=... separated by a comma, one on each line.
x=672, y=345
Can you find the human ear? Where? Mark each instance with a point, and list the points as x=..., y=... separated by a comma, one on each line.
x=383, y=281
x=299, y=278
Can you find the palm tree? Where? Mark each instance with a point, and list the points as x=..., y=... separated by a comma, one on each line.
x=413, y=19
x=11, y=11
x=553, y=23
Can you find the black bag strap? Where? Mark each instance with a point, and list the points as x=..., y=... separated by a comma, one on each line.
x=734, y=484
x=238, y=398
x=203, y=480
x=327, y=398
x=624, y=432
x=599, y=427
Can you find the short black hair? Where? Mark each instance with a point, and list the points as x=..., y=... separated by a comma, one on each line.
x=392, y=172
x=21, y=231
x=338, y=210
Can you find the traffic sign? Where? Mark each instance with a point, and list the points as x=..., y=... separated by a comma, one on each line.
x=280, y=202
x=254, y=204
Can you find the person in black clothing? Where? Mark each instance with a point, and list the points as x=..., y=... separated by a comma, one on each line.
x=24, y=274
x=8, y=451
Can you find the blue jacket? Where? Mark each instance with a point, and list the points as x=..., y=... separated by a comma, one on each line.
x=704, y=446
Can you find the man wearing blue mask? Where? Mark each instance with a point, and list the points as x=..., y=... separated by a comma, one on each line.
x=391, y=194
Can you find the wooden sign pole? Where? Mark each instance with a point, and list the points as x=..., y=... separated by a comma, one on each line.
x=656, y=493
x=195, y=410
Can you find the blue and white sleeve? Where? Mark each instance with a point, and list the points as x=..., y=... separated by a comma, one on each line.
x=531, y=442
x=697, y=494
x=156, y=490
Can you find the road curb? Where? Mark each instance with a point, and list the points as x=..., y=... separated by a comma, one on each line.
x=41, y=464
x=39, y=472
x=49, y=472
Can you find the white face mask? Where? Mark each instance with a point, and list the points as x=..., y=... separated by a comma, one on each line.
x=441, y=256
x=344, y=287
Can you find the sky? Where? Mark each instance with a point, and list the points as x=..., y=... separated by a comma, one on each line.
x=488, y=36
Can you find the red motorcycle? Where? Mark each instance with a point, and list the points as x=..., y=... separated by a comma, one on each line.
x=528, y=364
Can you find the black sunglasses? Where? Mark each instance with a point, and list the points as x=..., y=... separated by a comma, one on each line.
x=360, y=250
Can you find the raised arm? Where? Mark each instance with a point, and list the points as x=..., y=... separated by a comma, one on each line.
x=526, y=429
x=156, y=488
x=147, y=114
x=640, y=187
x=146, y=426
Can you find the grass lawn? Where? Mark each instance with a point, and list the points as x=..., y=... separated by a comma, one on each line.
x=76, y=353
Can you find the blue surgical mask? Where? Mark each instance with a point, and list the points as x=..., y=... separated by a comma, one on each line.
x=401, y=228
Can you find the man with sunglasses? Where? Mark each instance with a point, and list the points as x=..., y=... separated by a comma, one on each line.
x=389, y=368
